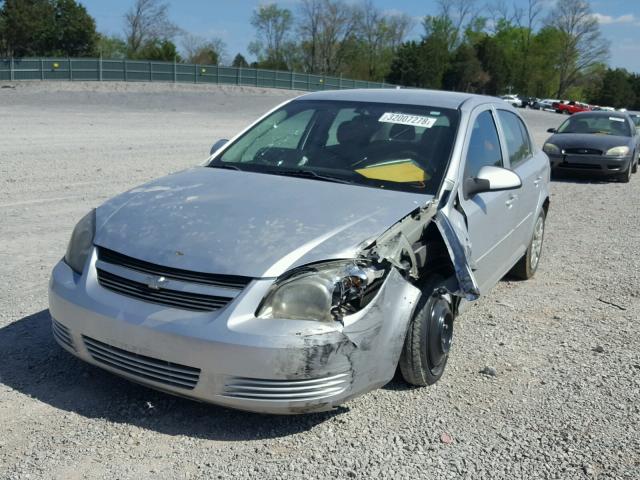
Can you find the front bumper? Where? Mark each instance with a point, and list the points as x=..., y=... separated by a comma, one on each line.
x=230, y=357
x=596, y=164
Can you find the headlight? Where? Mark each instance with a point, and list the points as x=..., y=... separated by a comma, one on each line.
x=323, y=292
x=551, y=149
x=617, y=152
x=81, y=242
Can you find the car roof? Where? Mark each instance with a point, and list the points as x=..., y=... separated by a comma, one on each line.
x=405, y=96
x=602, y=113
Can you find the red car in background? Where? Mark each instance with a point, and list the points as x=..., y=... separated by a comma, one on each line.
x=570, y=107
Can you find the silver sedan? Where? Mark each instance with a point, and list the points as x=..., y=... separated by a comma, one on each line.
x=332, y=241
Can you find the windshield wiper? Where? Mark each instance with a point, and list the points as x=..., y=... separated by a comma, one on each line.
x=225, y=166
x=309, y=174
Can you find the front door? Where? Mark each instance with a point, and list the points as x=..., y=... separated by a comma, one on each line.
x=491, y=216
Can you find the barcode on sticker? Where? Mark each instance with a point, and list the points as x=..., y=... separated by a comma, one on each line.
x=404, y=119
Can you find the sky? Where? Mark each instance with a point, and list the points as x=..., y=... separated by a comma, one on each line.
x=229, y=20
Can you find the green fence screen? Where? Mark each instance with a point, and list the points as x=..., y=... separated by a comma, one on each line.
x=98, y=69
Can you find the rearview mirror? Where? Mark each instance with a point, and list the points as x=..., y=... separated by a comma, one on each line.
x=551, y=130
x=218, y=145
x=491, y=179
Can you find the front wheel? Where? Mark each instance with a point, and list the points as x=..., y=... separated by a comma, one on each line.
x=528, y=264
x=428, y=341
x=626, y=176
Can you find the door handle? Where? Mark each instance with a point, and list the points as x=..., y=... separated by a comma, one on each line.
x=512, y=198
x=537, y=181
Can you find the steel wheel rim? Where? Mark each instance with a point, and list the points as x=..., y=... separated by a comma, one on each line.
x=536, y=243
x=441, y=333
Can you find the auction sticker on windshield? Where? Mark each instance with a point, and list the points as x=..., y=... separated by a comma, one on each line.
x=405, y=119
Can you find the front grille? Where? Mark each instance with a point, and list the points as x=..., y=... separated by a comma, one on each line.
x=172, y=298
x=62, y=334
x=585, y=166
x=141, y=366
x=229, y=281
x=582, y=151
x=286, y=390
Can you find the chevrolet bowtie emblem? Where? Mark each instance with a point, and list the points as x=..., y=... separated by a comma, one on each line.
x=156, y=283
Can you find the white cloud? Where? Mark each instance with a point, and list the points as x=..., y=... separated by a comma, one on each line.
x=610, y=20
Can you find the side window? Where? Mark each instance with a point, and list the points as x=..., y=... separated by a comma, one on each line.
x=518, y=145
x=484, y=146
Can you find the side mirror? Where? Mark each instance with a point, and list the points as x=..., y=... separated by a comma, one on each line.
x=552, y=130
x=218, y=145
x=491, y=179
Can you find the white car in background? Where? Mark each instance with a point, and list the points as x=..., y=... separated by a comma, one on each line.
x=545, y=104
x=513, y=100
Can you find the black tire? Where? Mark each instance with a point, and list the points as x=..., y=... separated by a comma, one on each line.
x=426, y=346
x=635, y=165
x=528, y=264
x=625, y=177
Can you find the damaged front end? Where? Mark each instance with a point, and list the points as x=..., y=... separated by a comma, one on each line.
x=407, y=247
x=367, y=303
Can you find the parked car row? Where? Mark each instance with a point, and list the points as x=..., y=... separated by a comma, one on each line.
x=568, y=107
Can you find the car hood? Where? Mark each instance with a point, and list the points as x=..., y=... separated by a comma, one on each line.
x=588, y=140
x=243, y=223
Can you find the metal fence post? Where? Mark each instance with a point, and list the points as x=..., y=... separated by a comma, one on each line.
x=217, y=74
x=175, y=73
x=41, y=69
x=308, y=81
x=292, y=81
x=150, y=72
x=100, y=67
x=124, y=69
x=340, y=82
x=70, y=70
x=11, y=74
x=195, y=73
x=238, y=75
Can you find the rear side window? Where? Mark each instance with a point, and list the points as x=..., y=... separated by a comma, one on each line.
x=516, y=136
x=484, y=146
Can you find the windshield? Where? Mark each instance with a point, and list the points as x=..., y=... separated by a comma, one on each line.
x=398, y=147
x=598, y=124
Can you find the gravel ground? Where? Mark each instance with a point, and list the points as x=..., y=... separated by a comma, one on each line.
x=559, y=399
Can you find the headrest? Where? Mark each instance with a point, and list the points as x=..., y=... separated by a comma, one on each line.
x=405, y=133
x=358, y=130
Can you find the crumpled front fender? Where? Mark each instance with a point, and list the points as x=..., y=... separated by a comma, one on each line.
x=458, y=245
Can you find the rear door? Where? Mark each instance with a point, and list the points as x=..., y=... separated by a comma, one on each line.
x=491, y=216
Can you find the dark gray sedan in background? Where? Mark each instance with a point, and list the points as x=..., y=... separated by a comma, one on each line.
x=604, y=143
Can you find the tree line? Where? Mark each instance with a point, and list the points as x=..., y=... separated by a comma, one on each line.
x=541, y=48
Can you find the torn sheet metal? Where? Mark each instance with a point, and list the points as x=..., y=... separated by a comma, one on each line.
x=392, y=249
x=398, y=239
x=460, y=253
